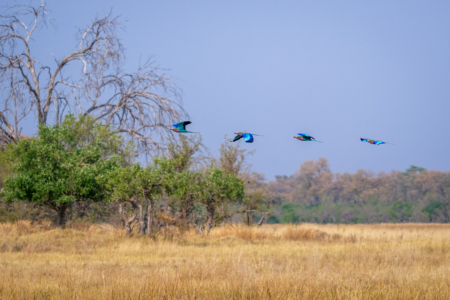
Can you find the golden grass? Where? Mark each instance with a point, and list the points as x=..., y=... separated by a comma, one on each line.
x=407, y=261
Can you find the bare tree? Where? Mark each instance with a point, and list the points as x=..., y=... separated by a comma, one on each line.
x=138, y=104
x=233, y=159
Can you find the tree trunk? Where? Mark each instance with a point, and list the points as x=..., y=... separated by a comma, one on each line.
x=184, y=217
x=122, y=215
x=35, y=214
x=141, y=221
x=262, y=220
x=25, y=211
x=149, y=216
x=209, y=221
x=130, y=220
x=61, y=218
x=128, y=223
x=73, y=210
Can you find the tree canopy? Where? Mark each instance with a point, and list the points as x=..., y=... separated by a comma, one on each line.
x=54, y=170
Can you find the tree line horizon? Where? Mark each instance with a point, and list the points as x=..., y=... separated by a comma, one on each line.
x=178, y=188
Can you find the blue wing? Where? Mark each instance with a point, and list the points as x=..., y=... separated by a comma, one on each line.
x=182, y=125
x=236, y=138
x=304, y=134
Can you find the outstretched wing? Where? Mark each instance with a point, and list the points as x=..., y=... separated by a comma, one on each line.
x=373, y=142
x=236, y=138
x=182, y=125
x=304, y=134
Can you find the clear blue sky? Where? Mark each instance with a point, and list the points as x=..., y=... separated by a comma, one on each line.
x=337, y=70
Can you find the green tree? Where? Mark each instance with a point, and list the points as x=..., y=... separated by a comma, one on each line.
x=433, y=210
x=186, y=189
x=134, y=184
x=54, y=171
x=187, y=151
x=218, y=188
x=189, y=154
x=415, y=169
x=5, y=163
x=288, y=213
x=401, y=211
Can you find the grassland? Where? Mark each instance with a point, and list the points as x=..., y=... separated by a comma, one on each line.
x=406, y=261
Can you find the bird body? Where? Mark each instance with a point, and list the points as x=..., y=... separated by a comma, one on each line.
x=248, y=137
x=373, y=142
x=305, y=137
x=181, y=127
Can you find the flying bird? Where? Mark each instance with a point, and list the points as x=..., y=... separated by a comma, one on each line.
x=248, y=137
x=305, y=137
x=181, y=127
x=373, y=142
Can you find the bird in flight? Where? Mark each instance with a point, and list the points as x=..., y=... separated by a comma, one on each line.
x=305, y=137
x=373, y=142
x=181, y=127
x=248, y=137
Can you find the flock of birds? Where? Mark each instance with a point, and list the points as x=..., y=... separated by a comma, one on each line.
x=248, y=137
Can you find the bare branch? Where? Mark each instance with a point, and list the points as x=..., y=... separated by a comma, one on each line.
x=139, y=104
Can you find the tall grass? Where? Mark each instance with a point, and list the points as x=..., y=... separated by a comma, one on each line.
x=408, y=261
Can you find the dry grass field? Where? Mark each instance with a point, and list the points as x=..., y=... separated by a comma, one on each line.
x=405, y=261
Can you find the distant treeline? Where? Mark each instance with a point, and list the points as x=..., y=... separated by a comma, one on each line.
x=315, y=194
x=82, y=171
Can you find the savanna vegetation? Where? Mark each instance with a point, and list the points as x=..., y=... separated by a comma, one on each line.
x=397, y=261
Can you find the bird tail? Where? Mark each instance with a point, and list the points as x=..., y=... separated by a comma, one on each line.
x=318, y=141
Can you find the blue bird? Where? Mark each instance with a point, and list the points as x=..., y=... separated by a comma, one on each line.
x=248, y=137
